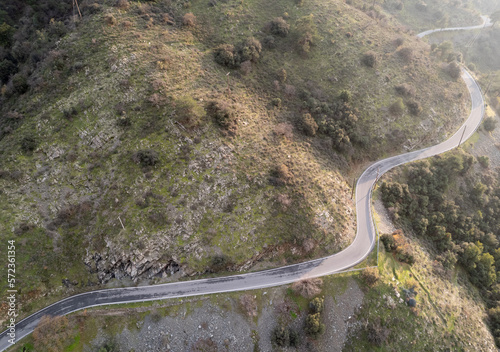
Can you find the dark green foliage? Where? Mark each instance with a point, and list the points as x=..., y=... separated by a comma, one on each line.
x=414, y=107
x=453, y=69
x=484, y=161
x=70, y=113
x=281, y=336
x=279, y=27
x=316, y=305
x=7, y=68
x=225, y=55
x=388, y=242
x=345, y=95
x=219, y=263
x=249, y=50
x=28, y=144
x=269, y=42
x=369, y=59
x=20, y=83
x=146, y=157
x=313, y=326
x=448, y=259
x=397, y=108
x=6, y=33
x=489, y=123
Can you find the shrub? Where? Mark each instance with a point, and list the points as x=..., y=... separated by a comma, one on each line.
x=414, y=107
x=269, y=42
x=345, y=95
x=313, y=325
x=370, y=276
x=20, y=83
x=388, y=242
x=399, y=41
x=246, y=67
x=279, y=26
x=249, y=50
x=222, y=113
x=484, y=161
x=281, y=336
x=282, y=75
x=7, y=68
x=309, y=125
x=376, y=333
x=188, y=111
x=397, y=108
x=225, y=55
x=146, y=157
x=189, y=20
x=276, y=102
x=317, y=305
x=28, y=144
x=122, y=4
x=52, y=333
x=110, y=19
x=406, y=54
x=369, y=59
x=489, y=124
x=308, y=33
x=405, y=90
x=453, y=69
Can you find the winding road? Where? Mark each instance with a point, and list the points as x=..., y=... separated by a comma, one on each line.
x=359, y=249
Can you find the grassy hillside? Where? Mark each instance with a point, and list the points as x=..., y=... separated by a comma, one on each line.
x=115, y=166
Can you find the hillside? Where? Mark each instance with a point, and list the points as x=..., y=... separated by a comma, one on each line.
x=129, y=155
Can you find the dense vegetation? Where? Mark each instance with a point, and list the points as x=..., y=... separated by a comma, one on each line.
x=454, y=209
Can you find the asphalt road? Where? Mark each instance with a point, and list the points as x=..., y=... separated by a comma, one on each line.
x=349, y=257
x=486, y=23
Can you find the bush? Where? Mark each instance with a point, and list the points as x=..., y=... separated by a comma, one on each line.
x=405, y=90
x=345, y=95
x=269, y=42
x=279, y=26
x=369, y=59
x=388, y=242
x=249, y=50
x=453, y=69
x=281, y=336
x=28, y=144
x=110, y=19
x=146, y=157
x=189, y=20
x=406, y=54
x=489, y=124
x=7, y=68
x=484, y=161
x=308, y=33
x=317, y=305
x=222, y=113
x=188, y=111
x=122, y=4
x=309, y=125
x=414, y=107
x=313, y=325
x=20, y=83
x=225, y=55
x=370, y=276
x=397, y=108
x=376, y=333
x=276, y=102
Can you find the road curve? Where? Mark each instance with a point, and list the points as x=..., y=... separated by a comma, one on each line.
x=486, y=23
x=349, y=257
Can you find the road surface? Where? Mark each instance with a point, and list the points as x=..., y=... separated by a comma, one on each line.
x=486, y=23
x=349, y=257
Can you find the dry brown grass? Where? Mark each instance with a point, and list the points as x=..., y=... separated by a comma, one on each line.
x=308, y=288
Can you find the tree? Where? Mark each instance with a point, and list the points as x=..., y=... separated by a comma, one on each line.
x=249, y=50
x=225, y=55
x=489, y=123
x=309, y=125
